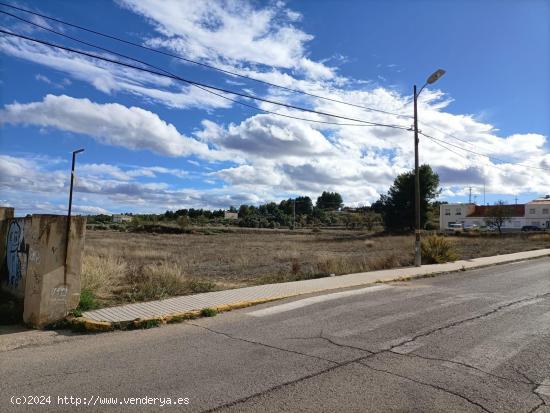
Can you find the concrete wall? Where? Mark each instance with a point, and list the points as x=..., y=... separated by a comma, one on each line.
x=34, y=265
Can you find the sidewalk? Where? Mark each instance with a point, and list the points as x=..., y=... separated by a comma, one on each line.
x=243, y=297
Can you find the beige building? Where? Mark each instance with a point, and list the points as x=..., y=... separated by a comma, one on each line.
x=122, y=218
x=535, y=213
x=231, y=215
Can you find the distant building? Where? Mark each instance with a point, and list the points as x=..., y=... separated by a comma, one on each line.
x=230, y=215
x=535, y=213
x=122, y=218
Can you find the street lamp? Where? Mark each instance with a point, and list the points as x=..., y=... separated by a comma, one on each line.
x=69, y=213
x=432, y=79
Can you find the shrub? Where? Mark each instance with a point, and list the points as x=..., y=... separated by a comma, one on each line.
x=88, y=301
x=100, y=273
x=437, y=250
x=540, y=237
x=384, y=262
x=198, y=286
x=155, y=282
x=209, y=312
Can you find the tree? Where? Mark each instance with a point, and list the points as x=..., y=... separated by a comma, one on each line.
x=304, y=205
x=330, y=201
x=498, y=214
x=398, y=206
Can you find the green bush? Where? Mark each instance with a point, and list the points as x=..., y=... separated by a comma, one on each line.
x=209, y=312
x=437, y=250
x=88, y=300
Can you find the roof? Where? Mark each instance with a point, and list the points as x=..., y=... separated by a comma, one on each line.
x=541, y=200
x=487, y=211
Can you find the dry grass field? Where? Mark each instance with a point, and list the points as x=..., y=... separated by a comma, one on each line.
x=121, y=267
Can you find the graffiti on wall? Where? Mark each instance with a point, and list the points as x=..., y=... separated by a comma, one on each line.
x=17, y=251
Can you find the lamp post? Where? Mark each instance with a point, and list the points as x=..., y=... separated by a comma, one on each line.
x=417, y=255
x=69, y=213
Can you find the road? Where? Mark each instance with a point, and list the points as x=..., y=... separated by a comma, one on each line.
x=470, y=341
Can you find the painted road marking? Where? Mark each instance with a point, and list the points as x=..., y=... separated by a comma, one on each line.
x=544, y=388
x=314, y=300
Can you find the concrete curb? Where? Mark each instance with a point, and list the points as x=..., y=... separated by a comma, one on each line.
x=84, y=323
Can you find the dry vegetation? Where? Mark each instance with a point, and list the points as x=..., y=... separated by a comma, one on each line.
x=124, y=267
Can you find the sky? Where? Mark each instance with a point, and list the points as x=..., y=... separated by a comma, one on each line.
x=154, y=143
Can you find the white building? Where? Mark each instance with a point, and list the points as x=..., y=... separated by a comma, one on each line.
x=535, y=213
x=230, y=215
x=122, y=218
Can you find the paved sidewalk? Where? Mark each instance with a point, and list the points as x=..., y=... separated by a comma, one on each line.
x=262, y=293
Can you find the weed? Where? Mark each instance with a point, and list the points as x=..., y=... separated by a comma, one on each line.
x=77, y=312
x=209, y=312
x=384, y=262
x=540, y=237
x=88, y=300
x=100, y=273
x=437, y=250
x=296, y=267
x=151, y=323
x=198, y=286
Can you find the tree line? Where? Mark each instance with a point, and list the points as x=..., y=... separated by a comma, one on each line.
x=393, y=211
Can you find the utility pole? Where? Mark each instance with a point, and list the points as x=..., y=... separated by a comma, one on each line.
x=417, y=253
x=293, y=213
x=69, y=215
x=470, y=196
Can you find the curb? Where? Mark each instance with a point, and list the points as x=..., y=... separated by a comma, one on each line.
x=83, y=324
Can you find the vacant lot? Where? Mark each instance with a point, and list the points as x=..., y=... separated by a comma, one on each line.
x=123, y=267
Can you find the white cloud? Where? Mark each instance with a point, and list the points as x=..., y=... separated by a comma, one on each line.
x=111, y=123
x=234, y=32
x=108, y=77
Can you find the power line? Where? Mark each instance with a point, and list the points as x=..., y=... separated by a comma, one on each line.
x=207, y=87
x=457, y=153
x=482, y=154
x=200, y=63
x=451, y=135
x=172, y=75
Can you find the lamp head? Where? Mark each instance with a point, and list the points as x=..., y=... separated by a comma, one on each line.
x=434, y=77
x=78, y=151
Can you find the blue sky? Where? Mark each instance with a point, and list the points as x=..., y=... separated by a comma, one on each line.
x=154, y=144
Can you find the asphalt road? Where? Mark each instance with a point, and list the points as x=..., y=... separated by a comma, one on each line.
x=470, y=341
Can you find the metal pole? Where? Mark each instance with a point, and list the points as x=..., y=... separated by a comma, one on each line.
x=417, y=254
x=69, y=216
x=294, y=213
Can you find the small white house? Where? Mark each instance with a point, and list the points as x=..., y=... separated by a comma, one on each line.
x=230, y=215
x=122, y=218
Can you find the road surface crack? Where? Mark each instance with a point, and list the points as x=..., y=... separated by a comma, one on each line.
x=259, y=343
x=360, y=360
x=534, y=387
x=282, y=385
x=434, y=386
x=466, y=320
x=331, y=341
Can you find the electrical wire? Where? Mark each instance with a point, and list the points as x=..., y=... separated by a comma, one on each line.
x=228, y=72
x=207, y=87
x=459, y=154
x=482, y=154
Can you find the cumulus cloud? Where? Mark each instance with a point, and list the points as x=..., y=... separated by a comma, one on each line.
x=111, y=123
x=230, y=32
